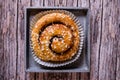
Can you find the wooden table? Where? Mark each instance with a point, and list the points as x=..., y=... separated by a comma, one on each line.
x=105, y=40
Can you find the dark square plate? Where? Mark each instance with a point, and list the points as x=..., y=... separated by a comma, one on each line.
x=82, y=65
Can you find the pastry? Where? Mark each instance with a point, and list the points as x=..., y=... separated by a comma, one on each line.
x=55, y=37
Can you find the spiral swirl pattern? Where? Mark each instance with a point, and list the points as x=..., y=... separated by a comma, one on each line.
x=55, y=37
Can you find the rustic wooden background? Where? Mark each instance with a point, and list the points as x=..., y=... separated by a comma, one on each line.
x=105, y=40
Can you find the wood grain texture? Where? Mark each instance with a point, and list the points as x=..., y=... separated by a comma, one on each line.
x=83, y=3
x=105, y=40
x=72, y=3
x=61, y=3
x=96, y=26
x=30, y=76
x=20, y=40
x=49, y=3
x=1, y=43
x=118, y=41
x=9, y=39
x=37, y=3
x=109, y=41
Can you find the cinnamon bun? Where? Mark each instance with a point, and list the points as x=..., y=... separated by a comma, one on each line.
x=55, y=37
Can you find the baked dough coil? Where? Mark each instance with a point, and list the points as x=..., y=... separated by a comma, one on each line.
x=47, y=50
x=55, y=37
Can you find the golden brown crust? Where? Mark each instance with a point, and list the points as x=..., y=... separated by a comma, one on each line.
x=66, y=45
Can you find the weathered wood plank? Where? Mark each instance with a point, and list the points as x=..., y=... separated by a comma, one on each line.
x=9, y=39
x=83, y=3
x=60, y=3
x=49, y=3
x=37, y=3
x=71, y=3
x=20, y=35
x=57, y=76
x=85, y=76
x=76, y=76
x=109, y=44
x=1, y=44
x=2, y=64
x=95, y=25
x=30, y=76
x=118, y=40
